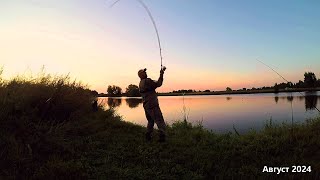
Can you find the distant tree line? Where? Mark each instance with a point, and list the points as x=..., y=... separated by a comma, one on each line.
x=184, y=91
x=310, y=81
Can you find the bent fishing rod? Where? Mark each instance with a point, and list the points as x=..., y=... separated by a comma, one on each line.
x=154, y=25
x=287, y=82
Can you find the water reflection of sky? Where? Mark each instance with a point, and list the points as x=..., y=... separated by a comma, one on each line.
x=220, y=112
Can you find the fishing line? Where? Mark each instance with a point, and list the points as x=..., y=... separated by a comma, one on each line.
x=273, y=70
x=288, y=82
x=153, y=22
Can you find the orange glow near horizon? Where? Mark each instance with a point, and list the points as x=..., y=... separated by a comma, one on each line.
x=101, y=48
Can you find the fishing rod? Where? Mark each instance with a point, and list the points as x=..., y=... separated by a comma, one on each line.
x=153, y=22
x=287, y=82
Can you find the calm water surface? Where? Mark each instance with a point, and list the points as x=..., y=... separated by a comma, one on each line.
x=220, y=112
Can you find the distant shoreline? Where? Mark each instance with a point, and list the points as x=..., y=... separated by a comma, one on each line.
x=228, y=92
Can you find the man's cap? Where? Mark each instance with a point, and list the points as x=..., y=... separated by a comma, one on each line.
x=141, y=71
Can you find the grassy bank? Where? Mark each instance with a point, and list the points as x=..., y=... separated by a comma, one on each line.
x=48, y=129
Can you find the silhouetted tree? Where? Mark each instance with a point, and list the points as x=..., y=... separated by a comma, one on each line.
x=300, y=84
x=114, y=90
x=228, y=89
x=282, y=85
x=276, y=89
x=318, y=83
x=94, y=93
x=207, y=90
x=133, y=91
x=310, y=79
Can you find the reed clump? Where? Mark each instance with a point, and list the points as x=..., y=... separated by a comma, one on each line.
x=31, y=109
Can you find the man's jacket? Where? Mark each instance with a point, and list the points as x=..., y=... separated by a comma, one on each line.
x=147, y=89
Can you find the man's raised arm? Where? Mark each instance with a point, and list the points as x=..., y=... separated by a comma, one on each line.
x=160, y=80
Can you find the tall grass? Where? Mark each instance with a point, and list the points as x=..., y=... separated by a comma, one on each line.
x=31, y=109
x=185, y=112
x=51, y=98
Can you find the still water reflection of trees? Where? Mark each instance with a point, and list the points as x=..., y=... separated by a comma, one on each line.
x=114, y=102
x=133, y=102
x=290, y=98
x=310, y=100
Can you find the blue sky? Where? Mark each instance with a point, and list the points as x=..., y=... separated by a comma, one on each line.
x=207, y=44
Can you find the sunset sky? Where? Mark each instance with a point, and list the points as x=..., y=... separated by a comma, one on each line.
x=207, y=44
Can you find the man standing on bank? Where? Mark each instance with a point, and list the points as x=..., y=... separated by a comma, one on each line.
x=150, y=101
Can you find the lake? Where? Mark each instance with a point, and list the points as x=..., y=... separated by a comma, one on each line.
x=220, y=113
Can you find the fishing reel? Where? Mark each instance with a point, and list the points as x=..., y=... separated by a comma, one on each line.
x=163, y=68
